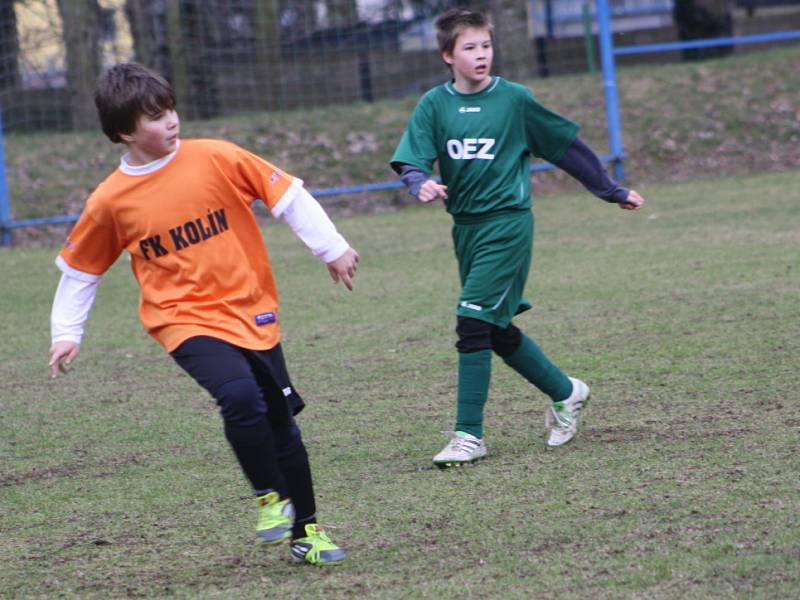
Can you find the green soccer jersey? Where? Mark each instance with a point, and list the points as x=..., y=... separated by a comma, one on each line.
x=483, y=142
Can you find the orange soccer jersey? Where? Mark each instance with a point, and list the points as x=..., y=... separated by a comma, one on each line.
x=196, y=249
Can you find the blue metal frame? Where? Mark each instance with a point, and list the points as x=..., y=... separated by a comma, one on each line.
x=610, y=89
x=6, y=237
x=709, y=43
x=320, y=193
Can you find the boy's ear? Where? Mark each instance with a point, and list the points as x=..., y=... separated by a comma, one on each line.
x=447, y=57
x=126, y=137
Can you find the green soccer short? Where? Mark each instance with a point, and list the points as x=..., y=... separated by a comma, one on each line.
x=494, y=256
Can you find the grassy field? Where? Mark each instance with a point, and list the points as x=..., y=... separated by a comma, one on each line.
x=116, y=480
x=731, y=116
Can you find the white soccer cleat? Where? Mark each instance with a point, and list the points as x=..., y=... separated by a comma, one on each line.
x=462, y=449
x=562, y=417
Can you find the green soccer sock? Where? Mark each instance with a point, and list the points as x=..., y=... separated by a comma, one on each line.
x=474, y=374
x=529, y=361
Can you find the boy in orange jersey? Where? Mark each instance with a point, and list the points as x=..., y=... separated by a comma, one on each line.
x=182, y=210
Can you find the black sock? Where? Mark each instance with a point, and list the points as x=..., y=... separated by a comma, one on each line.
x=255, y=451
x=297, y=473
x=299, y=527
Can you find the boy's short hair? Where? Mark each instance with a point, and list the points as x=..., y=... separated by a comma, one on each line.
x=127, y=91
x=451, y=23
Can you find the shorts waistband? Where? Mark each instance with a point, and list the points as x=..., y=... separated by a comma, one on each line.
x=488, y=216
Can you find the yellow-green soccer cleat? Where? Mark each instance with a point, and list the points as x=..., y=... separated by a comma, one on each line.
x=275, y=519
x=317, y=548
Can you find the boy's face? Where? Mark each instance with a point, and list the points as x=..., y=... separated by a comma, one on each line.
x=471, y=59
x=155, y=136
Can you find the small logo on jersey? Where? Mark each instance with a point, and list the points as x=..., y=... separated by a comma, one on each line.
x=469, y=109
x=287, y=391
x=471, y=306
x=265, y=318
x=275, y=176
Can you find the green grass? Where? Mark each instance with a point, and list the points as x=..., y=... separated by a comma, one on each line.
x=116, y=480
x=683, y=121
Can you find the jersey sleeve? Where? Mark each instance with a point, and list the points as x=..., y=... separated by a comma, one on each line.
x=93, y=245
x=417, y=146
x=548, y=134
x=260, y=179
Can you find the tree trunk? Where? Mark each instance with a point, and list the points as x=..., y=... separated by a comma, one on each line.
x=300, y=18
x=80, y=20
x=268, y=53
x=514, y=57
x=9, y=47
x=342, y=13
x=184, y=52
x=702, y=19
x=148, y=22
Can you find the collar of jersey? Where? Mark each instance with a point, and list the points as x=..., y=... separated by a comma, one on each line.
x=151, y=167
x=487, y=90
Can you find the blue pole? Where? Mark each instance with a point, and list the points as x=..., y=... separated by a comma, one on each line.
x=709, y=43
x=6, y=238
x=610, y=88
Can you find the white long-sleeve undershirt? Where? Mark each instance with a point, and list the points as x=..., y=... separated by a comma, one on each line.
x=73, y=301
x=77, y=290
x=309, y=221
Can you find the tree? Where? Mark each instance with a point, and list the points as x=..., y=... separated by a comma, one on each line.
x=80, y=22
x=513, y=50
x=298, y=18
x=148, y=23
x=268, y=53
x=701, y=19
x=341, y=13
x=197, y=27
x=9, y=47
x=514, y=56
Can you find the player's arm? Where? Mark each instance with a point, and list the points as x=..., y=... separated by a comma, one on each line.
x=309, y=221
x=420, y=184
x=72, y=303
x=584, y=165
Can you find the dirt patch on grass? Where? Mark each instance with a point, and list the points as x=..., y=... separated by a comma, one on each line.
x=102, y=468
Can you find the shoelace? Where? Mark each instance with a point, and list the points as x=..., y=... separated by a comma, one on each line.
x=460, y=443
x=554, y=419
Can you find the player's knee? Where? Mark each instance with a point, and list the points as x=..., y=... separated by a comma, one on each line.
x=506, y=341
x=474, y=335
x=241, y=402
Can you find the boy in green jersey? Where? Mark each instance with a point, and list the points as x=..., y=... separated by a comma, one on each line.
x=482, y=130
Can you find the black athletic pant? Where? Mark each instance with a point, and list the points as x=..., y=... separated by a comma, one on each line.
x=257, y=402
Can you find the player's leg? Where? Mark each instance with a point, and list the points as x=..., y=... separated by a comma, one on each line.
x=308, y=540
x=523, y=355
x=490, y=255
x=568, y=395
x=224, y=371
x=474, y=374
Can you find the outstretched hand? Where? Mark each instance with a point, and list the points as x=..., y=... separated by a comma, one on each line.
x=61, y=356
x=344, y=268
x=633, y=202
x=431, y=191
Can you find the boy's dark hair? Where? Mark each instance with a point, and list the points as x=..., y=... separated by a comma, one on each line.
x=451, y=23
x=127, y=91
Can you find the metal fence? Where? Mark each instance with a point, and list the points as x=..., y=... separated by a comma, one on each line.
x=224, y=57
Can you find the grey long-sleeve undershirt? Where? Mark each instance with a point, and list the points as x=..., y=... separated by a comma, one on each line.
x=579, y=161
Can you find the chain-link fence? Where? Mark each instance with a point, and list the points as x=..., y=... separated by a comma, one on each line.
x=226, y=57
x=230, y=56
